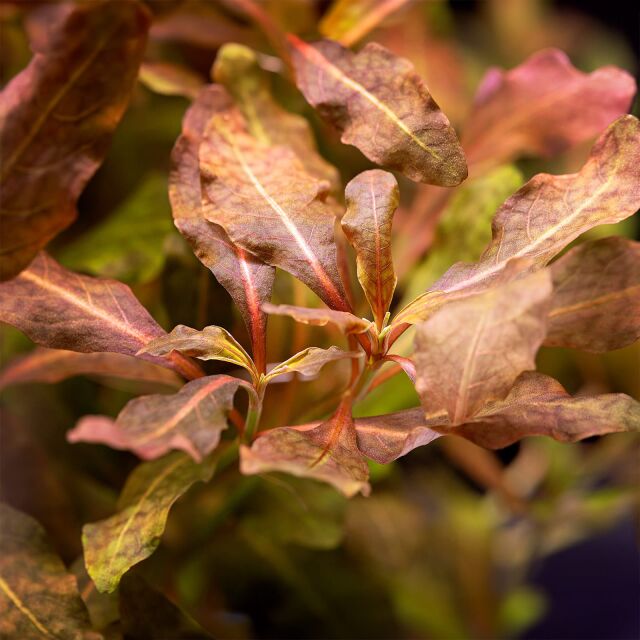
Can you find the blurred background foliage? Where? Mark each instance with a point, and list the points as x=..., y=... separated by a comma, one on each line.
x=539, y=542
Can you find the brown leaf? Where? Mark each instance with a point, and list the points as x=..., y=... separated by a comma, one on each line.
x=328, y=452
x=372, y=198
x=99, y=315
x=248, y=280
x=345, y=321
x=596, y=296
x=54, y=365
x=309, y=361
x=381, y=106
x=278, y=215
x=542, y=107
x=38, y=597
x=546, y=214
x=472, y=350
x=539, y=406
x=150, y=426
x=57, y=117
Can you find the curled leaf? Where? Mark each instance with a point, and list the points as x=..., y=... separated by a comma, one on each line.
x=596, y=296
x=150, y=426
x=381, y=106
x=113, y=546
x=309, y=361
x=372, y=198
x=471, y=351
x=542, y=107
x=57, y=117
x=345, y=321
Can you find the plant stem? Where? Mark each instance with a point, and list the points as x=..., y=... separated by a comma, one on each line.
x=253, y=413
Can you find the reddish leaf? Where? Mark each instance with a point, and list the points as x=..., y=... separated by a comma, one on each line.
x=542, y=107
x=327, y=452
x=248, y=281
x=380, y=105
x=54, y=365
x=279, y=216
x=472, y=350
x=150, y=426
x=596, y=297
x=406, y=364
x=57, y=117
x=99, y=315
x=345, y=321
x=372, y=198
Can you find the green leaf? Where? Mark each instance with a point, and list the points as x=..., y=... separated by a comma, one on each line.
x=114, y=545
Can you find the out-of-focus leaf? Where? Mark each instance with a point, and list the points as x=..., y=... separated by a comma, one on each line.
x=539, y=405
x=345, y=321
x=150, y=426
x=248, y=280
x=328, y=452
x=381, y=106
x=114, y=545
x=348, y=21
x=236, y=67
x=169, y=79
x=129, y=245
x=372, y=198
x=596, y=296
x=310, y=361
x=57, y=117
x=99, y=315
x=38, y=598
x=464, y=229
x=102, y=607
x=542, y=107
x=472, y=350
x=212, y=343
x=54, y=365
x=268, y=204
x=546, y=214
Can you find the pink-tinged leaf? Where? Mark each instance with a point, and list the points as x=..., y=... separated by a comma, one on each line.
x=539, y=406
x=471, y=351
x=596, y=297
x=343, y=320
x=248, y=280
x=99, y=315
x=372, y=198
x=380, y=105
x=309, y=361
x=542, y=107
x=407, y=365
x=328, y=452
x=280, y=216
x=387, y=438
x=57, y=117
x=169, y=79
x=546, y=214
x=54, y=365
x=150, y=426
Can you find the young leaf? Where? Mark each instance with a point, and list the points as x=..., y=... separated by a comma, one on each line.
x=57, y=117
x=278, y=215
x=38, y=597
x=114, y=545
x=328, y=452
x=99, y=315
x=345, y=321
x=372, y=198
x=236, y=67
x=150, y=426
x=310, y=361
x=381, y=106
x=546, y=214
x=248, y=280
x=542, y=107
x=54, y=365
x=471, y=351
x=539, y=406
x=596, y=296
x=212, y=343
x=170, y=79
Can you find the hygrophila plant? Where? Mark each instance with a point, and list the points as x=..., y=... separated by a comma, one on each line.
x=251, y=194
